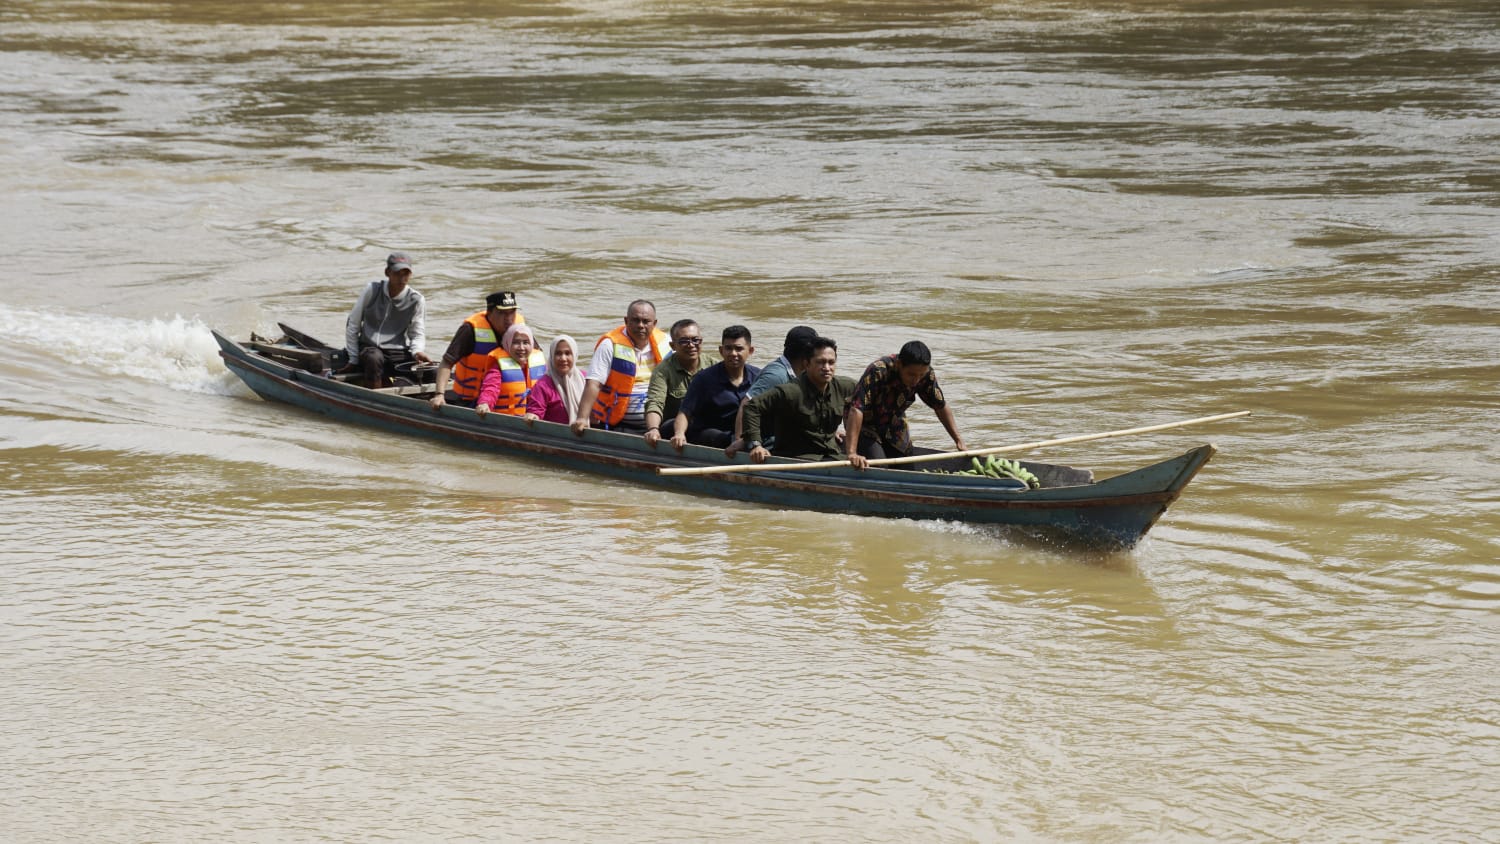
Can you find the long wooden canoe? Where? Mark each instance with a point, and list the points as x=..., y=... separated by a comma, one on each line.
x=1114, y=513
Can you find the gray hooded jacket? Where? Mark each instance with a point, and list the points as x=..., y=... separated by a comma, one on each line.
x=379, y=320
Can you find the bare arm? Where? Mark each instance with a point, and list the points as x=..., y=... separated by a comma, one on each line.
x=456, y=351
x=853, y=420
x=444, y=370
x=739, y=427
x=945, y=415
x=585, y=404
x=653, y=426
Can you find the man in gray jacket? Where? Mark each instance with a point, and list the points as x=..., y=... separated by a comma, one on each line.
x=388, y=324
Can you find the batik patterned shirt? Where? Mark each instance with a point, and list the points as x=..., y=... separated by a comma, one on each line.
x=883, y=400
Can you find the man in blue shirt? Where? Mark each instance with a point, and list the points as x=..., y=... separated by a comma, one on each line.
x=708, y=410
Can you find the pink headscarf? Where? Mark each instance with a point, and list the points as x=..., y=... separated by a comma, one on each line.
x=510, y=334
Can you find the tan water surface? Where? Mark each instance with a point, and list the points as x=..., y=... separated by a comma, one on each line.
x=225, y=620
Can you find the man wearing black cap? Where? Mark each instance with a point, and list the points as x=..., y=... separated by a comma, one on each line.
x=388, y=324
x=468, y=355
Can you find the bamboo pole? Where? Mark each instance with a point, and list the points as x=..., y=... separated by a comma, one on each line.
x=944, y=455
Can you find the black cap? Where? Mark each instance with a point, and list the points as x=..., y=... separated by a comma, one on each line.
x=800, y=335
x=504, y=300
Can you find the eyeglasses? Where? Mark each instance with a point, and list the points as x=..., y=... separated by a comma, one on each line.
x=690, y=341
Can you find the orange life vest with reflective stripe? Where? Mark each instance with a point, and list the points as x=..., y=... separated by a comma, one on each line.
x=468, y=371
x=516, y=380
x=614, y=394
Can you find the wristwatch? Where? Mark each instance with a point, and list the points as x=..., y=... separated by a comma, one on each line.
x=753, y=445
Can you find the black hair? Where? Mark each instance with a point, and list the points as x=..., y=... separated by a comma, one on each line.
x=647, y=302
x=679, y=325
x=798, y=345
x=819, y=343
x=915, y=353
x=735, y=332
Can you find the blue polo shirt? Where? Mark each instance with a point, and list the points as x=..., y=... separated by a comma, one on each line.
x=712, y=401
x=776, y=373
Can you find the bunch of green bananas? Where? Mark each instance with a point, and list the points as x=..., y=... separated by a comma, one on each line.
x=999, y=467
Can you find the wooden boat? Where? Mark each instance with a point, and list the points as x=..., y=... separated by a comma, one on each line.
x=1070, y=506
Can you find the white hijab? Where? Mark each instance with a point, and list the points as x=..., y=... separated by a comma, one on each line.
x=571, y=387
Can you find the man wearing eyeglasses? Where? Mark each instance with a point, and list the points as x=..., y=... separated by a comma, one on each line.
x=669, y=382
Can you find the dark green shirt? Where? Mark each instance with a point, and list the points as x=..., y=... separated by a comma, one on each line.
x=803, y=421
x=669, y=383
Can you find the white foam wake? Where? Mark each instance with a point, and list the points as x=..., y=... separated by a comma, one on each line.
x=180, y=353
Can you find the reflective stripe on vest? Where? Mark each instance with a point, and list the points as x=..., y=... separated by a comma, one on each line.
x=468, y=371
x=614, y=394
x=516, y=380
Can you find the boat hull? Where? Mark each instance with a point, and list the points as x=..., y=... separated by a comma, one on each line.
x=1114, y=513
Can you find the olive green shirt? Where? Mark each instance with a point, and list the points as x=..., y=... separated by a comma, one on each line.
x=669, y=383
x=804, y=421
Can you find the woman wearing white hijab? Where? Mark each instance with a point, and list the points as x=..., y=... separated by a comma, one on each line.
x=555, y=397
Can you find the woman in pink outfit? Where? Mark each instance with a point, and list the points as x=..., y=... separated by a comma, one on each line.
x=554, y=398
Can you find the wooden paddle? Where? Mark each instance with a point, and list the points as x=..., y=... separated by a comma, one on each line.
x=944, y=455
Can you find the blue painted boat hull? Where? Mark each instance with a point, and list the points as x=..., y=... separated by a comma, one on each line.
x=1114, y=513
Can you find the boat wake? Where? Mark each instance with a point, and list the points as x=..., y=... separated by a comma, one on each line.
x=180, y=353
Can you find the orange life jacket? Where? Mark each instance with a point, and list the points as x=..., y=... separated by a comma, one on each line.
x=516, y=380
x=614, y=394
x=468, y=371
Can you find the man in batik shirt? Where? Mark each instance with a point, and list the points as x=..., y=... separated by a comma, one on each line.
x=875, y=423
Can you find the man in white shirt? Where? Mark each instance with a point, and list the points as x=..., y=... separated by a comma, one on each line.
x=619, y=375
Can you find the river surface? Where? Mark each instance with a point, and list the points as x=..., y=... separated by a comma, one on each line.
x=223, y=619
